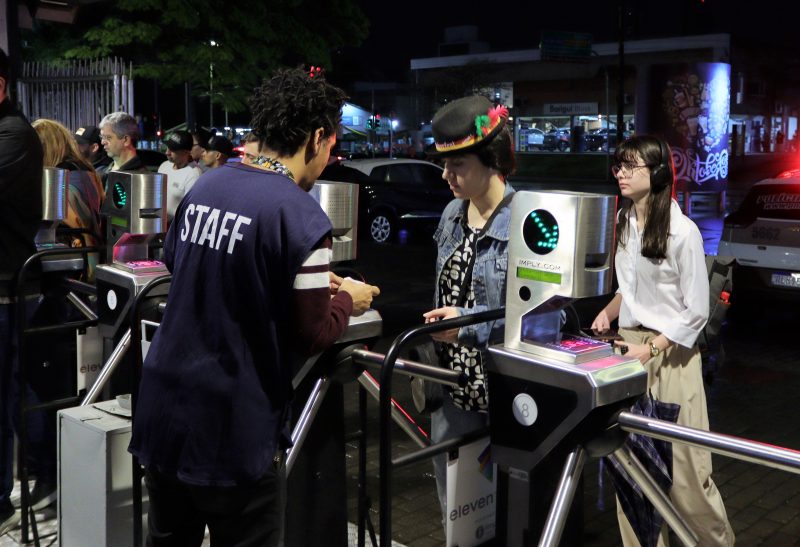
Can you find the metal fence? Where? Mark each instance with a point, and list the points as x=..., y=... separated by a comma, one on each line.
x=76, y=93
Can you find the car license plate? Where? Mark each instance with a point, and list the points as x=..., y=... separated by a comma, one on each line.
x=786, y=279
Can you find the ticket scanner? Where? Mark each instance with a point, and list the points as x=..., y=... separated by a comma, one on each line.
x=55, y=203
x=551, y=390
x=55, y=199
x=136, y=215
x=136, y=219
x=339, y=200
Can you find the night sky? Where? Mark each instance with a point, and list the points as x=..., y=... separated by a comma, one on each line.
x=403, y=30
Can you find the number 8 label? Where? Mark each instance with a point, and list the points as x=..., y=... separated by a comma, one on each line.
x=524, y=409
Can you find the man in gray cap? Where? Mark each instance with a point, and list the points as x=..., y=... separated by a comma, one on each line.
x=181, y=171
x=217, y=152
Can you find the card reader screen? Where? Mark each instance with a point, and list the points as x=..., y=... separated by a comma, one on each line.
x=538, y=275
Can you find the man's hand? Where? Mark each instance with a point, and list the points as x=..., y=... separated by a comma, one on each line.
x=334, y=283
x=361, y=293
x=439, y=314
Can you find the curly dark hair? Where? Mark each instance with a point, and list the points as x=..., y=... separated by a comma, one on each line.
x=290, y=106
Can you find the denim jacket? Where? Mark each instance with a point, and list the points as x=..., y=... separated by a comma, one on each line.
x=488, y=273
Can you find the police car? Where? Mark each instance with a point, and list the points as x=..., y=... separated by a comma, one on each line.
x=763, y=235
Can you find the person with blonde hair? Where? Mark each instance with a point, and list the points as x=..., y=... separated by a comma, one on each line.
x=86, y=192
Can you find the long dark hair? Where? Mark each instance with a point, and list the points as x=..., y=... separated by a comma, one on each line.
x=656, y=226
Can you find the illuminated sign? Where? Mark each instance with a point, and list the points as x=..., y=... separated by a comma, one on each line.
x=540, y=231
x=538, y=275
x=120, y=195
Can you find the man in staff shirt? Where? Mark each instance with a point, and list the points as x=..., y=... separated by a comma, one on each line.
x=251, y=295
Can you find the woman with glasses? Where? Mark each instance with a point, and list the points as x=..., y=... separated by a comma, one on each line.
x=662, y=305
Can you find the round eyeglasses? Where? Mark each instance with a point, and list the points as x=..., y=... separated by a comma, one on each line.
x=629, y=168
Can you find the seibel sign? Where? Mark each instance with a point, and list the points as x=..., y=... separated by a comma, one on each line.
x=569, y=109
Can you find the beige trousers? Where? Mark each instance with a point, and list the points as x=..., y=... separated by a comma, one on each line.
x=675, y=376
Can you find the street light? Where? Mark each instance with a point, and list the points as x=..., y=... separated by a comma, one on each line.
x=213, y=44
x=392, y=127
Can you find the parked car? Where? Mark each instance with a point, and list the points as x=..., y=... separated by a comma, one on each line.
x=556, y=139
x=393, y=193
x=763, y=235
x=600, y=139
x=535, y=138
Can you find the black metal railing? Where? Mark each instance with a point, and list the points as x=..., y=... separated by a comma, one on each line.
x=32, y=274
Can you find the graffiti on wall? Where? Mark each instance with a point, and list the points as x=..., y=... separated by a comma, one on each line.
x=693, y=113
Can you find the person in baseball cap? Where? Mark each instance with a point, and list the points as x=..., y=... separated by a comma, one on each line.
x=218, y=150
x=181, y=171
x=88, y=139
x=179, y=141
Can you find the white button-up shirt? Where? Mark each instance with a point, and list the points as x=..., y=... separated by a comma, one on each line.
x=669, y=296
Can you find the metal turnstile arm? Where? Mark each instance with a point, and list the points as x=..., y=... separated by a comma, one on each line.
x=304, y=421
x=82, y=306
x=412, y=368
x=559, y=509
x=657, y=497
x=400, y=416
x=726, y=445
x=108, y=369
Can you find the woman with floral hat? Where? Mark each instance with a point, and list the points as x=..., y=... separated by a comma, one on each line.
x=476, y=147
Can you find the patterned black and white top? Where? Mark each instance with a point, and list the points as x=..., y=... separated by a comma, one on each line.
x=457, y=356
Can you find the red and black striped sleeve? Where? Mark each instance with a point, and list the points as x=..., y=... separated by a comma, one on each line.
x=317, y=319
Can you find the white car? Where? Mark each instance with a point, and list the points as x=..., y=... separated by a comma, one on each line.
x=763, y=235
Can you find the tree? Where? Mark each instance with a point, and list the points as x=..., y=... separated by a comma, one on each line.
x=177, y=41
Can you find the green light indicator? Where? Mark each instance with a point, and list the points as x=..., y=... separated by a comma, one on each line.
x=540, y=231
x=120, y=195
